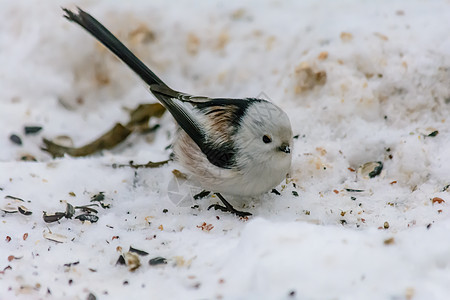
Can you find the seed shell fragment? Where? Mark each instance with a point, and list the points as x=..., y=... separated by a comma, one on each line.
x=50, y=218
x=87, y=217
x=137, y=251
x=157, y=261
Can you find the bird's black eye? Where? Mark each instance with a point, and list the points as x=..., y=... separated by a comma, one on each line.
x=267, y=139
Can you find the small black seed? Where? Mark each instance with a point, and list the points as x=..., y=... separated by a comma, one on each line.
x=353, y=198
x=165, y=210
x=377, y=170
x=53, y=217
x=28, y=157
x=91, y=297
x=434, y=133
x=15, y=139
x=343, y=222
x=87, y=208
x=125, y=282
x=121, y=260
x=137, y=251
x=296, y=136
x=99, y=197
x=354, y=191
x=70, y=211
x=157, y=261
x=72, y=264
x=295, y=193
x=24, y=211
x=292, y=293
x=274, y=191
x=32, y=129
x=87, y=217
x=428, y=226
x=14, y=198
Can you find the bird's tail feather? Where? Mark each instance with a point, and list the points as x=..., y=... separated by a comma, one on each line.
x=104, y=36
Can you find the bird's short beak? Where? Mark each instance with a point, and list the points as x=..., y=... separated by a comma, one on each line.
x=285, y=148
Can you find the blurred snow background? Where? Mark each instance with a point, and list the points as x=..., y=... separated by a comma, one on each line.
x=362, y=81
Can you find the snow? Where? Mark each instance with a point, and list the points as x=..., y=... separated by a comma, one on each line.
x=361, y=81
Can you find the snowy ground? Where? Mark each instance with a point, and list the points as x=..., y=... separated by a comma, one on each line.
x=362, y=81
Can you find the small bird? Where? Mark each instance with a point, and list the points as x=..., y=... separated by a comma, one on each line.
x=238, y=147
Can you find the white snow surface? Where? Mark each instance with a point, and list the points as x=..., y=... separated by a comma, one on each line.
x=361, y=81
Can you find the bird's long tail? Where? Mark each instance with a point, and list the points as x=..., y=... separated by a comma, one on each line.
x=103, y=35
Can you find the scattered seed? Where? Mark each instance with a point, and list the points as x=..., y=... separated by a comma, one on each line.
x=15, y=139
x=428, y=226
x=28, y=157
x=8, y=239
x=72, y=264
x=24, y=211
x=205, y=227
x=437, y=200
x=50, y=218
x=137, y=251
x=389, y=241
x=295, y=193
x=32, y=129
x=274, y=191
x=87, y=208
x=14, y=198
x=87, y=217
x=10, y=209
x=371, y=169
x=120, y=260
x=98, y=197
x=70, y=211
x=157, y=261
x=91, y=297
x=354, y=190
x=25, y=236
x=386, y=225
x=59, y=238
x=165, y=210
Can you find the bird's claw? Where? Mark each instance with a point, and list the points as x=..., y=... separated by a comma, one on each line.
x=232, y=210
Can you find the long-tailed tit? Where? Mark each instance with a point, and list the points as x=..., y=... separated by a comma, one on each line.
x=231, y=146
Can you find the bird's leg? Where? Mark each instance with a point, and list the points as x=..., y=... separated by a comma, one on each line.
x=228, y=207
